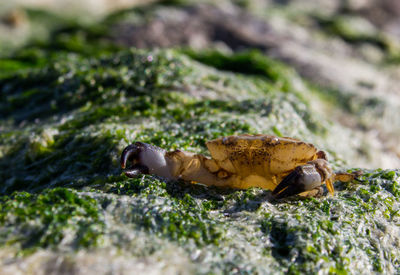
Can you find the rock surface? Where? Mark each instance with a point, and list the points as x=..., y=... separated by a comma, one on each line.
x=368, y=93
x=73, y=96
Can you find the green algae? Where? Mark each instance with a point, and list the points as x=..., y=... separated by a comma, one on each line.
x=75, y=81
x=48, y=219
x=303, y=236
x=257, y=64
x=99, y=104
x=353, y=30
x=246, y=62
x=358, y=31
x=323, y=227
x=119, y=88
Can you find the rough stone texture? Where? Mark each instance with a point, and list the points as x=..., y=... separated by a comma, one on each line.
x=72, y=99
x=372, y=91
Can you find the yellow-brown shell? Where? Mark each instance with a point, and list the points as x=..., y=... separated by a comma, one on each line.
x=262, y=155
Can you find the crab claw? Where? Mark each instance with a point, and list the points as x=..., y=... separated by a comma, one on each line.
x=303, y=178
x=144, y=159
x=131, y=154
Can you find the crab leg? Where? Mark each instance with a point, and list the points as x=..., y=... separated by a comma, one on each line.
x=306, y=180
x=149, y=159
x=346, y=177
x=303, y=180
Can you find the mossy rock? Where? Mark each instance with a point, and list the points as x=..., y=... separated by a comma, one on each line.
x=67, y=113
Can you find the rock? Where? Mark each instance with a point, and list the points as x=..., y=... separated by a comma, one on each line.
x=372, y=93
x=71, y=103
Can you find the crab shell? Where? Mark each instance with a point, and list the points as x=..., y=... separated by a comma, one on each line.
x=260, y=160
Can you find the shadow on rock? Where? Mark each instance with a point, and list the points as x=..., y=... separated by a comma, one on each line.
x=71, y=161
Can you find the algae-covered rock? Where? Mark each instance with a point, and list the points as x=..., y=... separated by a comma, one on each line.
x=69, y=105
x=343, y=54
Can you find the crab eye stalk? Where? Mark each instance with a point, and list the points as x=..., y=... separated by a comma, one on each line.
x=303, y=178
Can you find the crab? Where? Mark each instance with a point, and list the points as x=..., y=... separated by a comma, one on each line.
x=284, y=165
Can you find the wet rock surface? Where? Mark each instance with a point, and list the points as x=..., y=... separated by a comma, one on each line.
x=345, y=72
x=73, y=98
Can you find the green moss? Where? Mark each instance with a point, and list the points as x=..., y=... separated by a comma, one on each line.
x=353, y=29
x=48, y=219
x=179, y=217
x=357, y=30
x=188, y=220
x=279, y=77
x=35, y=166
x=75, y=81
x=331, y=231
x=68, y=109
x=144, y=186
x=247, y=62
